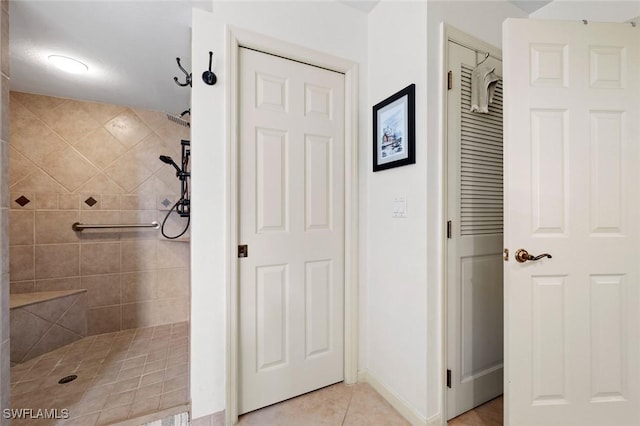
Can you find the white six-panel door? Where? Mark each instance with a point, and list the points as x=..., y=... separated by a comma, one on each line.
x=292, y=220
x=572, y=139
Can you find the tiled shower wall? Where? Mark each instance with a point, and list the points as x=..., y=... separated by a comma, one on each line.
x=4, y=210
x=75, y=161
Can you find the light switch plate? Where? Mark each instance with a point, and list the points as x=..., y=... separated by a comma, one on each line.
x=399, y=207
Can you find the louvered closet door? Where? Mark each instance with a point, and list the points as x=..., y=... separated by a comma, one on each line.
x=474, y=252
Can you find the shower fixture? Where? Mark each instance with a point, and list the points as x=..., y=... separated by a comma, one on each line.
x=183, y=205
x=178, y=119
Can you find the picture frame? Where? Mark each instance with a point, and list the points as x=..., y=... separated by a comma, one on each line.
x=394, y=142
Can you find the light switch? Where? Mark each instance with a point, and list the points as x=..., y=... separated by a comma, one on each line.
x=399, y=207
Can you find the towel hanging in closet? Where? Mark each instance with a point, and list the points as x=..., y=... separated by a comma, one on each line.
x=483, y=84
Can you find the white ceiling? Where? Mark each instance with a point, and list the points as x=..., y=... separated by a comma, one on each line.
x=130, y=48
x=529, y=6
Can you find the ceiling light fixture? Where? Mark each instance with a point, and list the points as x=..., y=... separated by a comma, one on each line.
x=67, y=64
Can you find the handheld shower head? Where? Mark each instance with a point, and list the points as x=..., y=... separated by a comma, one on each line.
x=168, y=160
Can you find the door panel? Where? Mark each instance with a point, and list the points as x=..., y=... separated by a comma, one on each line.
x=291, y=185
x=571, y=169
x=474, y=251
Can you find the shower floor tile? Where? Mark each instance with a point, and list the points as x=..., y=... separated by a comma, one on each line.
x=120, y=376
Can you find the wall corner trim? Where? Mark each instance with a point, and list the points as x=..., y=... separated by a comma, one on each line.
x=402, y=406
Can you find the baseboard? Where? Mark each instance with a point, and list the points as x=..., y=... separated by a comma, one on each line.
x=402, y=406
x=435, y=420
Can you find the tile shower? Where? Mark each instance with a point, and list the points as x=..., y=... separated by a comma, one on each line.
x=75, y=161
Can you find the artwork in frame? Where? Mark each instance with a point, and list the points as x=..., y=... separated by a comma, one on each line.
x=394, y=141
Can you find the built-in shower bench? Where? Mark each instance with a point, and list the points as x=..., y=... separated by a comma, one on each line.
x=44, y=321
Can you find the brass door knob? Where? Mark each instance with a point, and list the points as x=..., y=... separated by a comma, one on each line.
x=522, y=256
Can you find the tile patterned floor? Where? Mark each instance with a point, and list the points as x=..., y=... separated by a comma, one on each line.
x=334, y=405
x=121, y=376
x=489, y=414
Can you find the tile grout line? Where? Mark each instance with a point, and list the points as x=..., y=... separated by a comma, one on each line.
x=348, y=406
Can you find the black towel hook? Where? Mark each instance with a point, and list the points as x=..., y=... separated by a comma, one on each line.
x=187, y=76
x=208, y=76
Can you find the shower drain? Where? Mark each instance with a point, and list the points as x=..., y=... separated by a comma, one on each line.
x=67, y=379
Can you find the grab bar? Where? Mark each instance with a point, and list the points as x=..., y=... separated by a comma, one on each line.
x=78, y=227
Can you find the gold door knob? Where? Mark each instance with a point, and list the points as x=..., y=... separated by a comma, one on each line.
x=522, y=256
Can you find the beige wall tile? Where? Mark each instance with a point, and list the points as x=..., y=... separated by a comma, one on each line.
x=70, y=121
x=172, y=132
x=149, y=149
x=55, y=226
x=138, y=286
x=75, y=318
x=36, y=103
x=54, y=338
x=68, y=201
x=27, y=204
x=69, y=168
x=22, y=263
x=171, y=310
x=5, y=382
x=26, y=330
x=128, y=128
x=22, y=286
x=56, y=284
x=175, y=225
x=139, y=255
x=38, y=181
x=46, y=201
x=153, y=119
x=102, y=290
x=139, y=216
x=138, y=202
x=4, y=240
x=4, y=174
x=101, y=112
x=4, y=116
x=51, y=310
x=103, y=320
x=135, y=315
x=100, y=258
x=173, y=255
x=101, y=184
x=37, y=141
x=100, y=217
x=168, y=176
x=101, y=148
x=128, y=173
x=57, y=260
x=4, y=308
x=19, y=166
x=173, y=283
x=87, y=204
x=153, y=185
x=110, y=202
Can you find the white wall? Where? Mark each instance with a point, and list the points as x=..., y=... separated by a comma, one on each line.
x=484, y=21
x=596, y=11
x=396, y=319
x=328, y=27
x=397, y=44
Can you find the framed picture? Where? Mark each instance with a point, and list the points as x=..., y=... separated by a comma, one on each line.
x=394, y=141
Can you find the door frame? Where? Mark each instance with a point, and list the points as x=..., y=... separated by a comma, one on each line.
x=449, y=33
x=237, y=38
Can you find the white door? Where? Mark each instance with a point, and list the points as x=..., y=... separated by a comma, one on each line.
x=292, y=220
x=572, y=96
x=474, y=243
